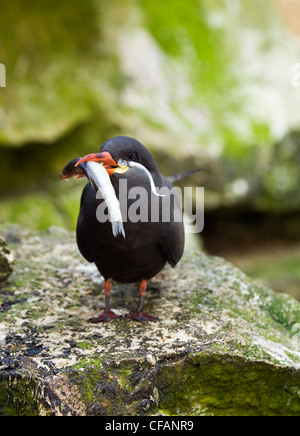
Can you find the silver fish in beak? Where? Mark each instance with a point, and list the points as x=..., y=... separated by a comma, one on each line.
x=98, y=175
x=100, y=181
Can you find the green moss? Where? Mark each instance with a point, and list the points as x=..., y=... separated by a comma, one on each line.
x=19, y=397
x=113, y=390
x=206, y=385
x=84, y=345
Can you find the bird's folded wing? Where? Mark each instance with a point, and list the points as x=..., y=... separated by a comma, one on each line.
x=172, y=242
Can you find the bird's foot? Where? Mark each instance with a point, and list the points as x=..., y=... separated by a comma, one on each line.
x=106, y=316
x=141, y=316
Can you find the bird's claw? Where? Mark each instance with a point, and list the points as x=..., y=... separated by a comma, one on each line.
x=141, y=316
x=106, y=316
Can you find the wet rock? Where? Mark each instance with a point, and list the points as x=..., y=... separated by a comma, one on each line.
x=6, y=260
x=223, y=345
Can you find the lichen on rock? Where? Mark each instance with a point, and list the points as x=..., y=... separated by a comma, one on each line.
x=223, y=344
x=6, y=260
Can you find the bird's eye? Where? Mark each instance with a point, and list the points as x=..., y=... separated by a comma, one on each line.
x=133, y=155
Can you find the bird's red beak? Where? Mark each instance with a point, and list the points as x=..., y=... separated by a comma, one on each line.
x=104, y=157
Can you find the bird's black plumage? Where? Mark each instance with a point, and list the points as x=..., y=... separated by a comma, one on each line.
x=148, y=246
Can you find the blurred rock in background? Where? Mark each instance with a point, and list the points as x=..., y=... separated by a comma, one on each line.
x=203, y=83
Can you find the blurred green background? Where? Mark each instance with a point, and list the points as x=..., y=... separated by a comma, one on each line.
x=206, y=83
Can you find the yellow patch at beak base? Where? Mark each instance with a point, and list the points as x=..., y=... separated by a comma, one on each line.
x=121, y=169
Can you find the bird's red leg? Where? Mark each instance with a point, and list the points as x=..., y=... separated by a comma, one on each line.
x=138, y=314
x=108, y=314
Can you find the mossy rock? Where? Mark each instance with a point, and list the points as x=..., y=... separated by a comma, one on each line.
x=6, y=261
x=223, y=344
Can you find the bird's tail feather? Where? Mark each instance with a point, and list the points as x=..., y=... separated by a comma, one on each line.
x=176, y=177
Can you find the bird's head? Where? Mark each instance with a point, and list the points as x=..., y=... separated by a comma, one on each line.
x=121, y=153
x=117, y=156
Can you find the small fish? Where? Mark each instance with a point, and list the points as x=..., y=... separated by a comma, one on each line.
x=71, y=170
x=100, y=180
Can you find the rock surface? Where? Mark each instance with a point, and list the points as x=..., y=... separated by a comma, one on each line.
x=6, y=261
x=223, y=345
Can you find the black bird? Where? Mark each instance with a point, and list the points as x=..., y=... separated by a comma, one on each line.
x=147, y=246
